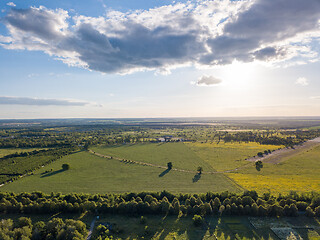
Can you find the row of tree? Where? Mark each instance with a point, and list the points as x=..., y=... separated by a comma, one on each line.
x=226, y=203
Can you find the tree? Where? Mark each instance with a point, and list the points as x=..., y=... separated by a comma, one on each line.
x=65, y=166
x=259, y=165
x=169, y=164
x=199, y=169
x=197, y=220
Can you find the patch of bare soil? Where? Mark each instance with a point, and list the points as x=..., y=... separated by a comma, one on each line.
x=283, y=154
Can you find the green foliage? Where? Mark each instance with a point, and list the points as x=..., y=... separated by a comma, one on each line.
x=54, y=229
x=164, y=203
x=65, y=166
x=197, y=220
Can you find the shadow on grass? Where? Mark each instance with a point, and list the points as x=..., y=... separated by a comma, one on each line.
x=164, y=172
x=196, y=177
x=52, y=173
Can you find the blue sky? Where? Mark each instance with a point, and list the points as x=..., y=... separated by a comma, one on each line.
x=157, y=58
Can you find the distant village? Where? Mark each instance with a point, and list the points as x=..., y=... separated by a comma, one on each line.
x=169, y=139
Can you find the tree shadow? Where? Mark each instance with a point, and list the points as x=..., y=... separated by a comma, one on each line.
x=258, y=168
x=164, y=172
x=196, y=177
x=52, y=173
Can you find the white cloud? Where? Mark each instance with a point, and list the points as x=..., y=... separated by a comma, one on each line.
x=200, y=33
x=208, y=81
x=302, y=81
x=6, y=100
x=11, y=4
x=315, y=97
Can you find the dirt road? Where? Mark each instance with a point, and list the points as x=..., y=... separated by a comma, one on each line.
x=285, y=153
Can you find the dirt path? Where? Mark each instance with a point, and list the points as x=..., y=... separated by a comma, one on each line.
x=283, y=154
x=91, y=228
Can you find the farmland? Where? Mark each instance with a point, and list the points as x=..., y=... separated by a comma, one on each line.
x=92, y=174
x=298, y=173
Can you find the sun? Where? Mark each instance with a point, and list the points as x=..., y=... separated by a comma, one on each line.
x=239, y=74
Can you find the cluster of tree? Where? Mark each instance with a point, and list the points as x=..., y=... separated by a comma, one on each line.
x=286, y=138
x=56, y=228
x=248, y=203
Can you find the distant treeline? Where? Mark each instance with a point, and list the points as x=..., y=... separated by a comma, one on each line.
x=248, y=204
x=285, y=138
x=67, y=137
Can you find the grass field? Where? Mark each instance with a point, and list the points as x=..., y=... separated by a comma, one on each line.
x=298, y=173
x=92, y=174
x=225, y=156
x=179, y=154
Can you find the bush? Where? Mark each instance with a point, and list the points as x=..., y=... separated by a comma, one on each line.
x=65, y=166
x=197, y=220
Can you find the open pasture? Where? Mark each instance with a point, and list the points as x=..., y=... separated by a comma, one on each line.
x=92, y=174
x=179, y=154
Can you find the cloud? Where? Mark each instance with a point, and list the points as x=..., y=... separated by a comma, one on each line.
x=200, y=33
x=11, y=4
x=302, y=81
x=208, y=81
x=5, y=100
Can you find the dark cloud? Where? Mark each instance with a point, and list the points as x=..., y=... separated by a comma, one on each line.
x=208, y=81
x=265, y=22
x=39, y=102
x=164, y=37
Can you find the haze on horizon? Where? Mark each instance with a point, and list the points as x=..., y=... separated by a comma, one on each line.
x=152, y=58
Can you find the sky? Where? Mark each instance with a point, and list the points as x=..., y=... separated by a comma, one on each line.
x=159, y=58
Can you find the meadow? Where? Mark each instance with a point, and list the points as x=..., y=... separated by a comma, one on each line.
x=179, y=154
x=92, y=174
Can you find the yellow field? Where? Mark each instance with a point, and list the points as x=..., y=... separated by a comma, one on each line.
x=299, y=173
x=276, y=184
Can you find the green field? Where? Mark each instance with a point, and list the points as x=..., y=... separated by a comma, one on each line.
x=93, y=174
x=179, y=154
x=226, y=156
x=298, y=173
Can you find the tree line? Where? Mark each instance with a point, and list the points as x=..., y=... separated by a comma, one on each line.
x=248, y=203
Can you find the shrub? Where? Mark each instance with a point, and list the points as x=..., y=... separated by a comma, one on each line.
x=65, y=166
x=197, y=220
